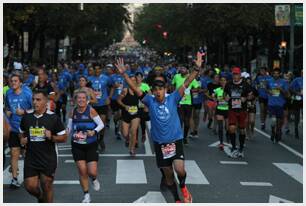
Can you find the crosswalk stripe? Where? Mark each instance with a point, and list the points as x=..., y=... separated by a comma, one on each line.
x=64, y=148
x=7, y=176
x=130, y=172
x=263, y=184
x=233, y=162
x=66, y=182
x=194, y=174
x=293, y=170
x=112, y=155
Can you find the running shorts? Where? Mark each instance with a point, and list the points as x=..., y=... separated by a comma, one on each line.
x=237, y=118
x=87, y=152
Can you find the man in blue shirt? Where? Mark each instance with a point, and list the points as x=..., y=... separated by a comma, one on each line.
x=18, y=99
x=261, y=86
x=117, y=82
x=296, y=90
x=277, y=92
x=100, y=85
x=166, y=131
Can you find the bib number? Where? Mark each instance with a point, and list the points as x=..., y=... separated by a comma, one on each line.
x=275, y=92
x=133, y=110
x=37, y=135
x=80, y=137
x=168, y=150
x=236, y=103
x=98, y=94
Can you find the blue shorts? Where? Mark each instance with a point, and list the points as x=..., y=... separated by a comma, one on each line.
x=276, y=111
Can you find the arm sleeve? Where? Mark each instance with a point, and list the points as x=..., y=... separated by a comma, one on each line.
x=99, y=122
x=69, y=125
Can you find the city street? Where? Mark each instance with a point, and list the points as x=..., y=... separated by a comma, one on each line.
x=268, y=173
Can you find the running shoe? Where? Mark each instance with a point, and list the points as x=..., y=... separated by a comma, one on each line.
x=186, y=194
x=191, y=135
x=96, y=185
x=234, y=153
x=195, y=134
x=15, y=184
x=241, y=154
x=87, y=198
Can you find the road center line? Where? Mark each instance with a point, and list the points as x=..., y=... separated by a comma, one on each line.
x=281, y=144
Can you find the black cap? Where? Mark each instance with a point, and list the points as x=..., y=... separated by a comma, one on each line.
x=159, y=83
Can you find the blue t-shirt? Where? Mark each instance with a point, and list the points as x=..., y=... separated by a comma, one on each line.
x=14, y=101
x=297, y=86
x=261, y=85
x=100, y=86
x=197, y=97
x=276, y=98
x=117, y=78
x=165, y=121
x=145, y=71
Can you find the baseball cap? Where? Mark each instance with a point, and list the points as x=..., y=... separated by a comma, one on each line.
x=236, y=70
x=159, y=83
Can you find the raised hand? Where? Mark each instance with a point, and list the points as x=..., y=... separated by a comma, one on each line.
x=120, y=65
x=199, y=60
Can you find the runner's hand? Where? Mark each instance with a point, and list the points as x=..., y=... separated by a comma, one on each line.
x=19, y=111
x=120, y=65
x=199, y=60
x=23, y=141
x=48, y=134
x=90, y=133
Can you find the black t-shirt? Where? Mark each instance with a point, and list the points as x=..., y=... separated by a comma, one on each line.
x=235, y=92
x=251, y=103
x=47, y=87
x=41, y=152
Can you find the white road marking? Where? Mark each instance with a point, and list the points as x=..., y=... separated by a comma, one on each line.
x=151, y=197
x=7, y=176
x=233, y=162
x=261, y=184
x=66, y=182
x=64, y=148
x=282, y=144
x=147, y=141
x=275, y=199
x=130, y=172
x=293, y=170
x=194, y=174
x=215, y=144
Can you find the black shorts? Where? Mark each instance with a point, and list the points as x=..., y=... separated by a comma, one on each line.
x=263, y=100
x=126, y=117
x=87, y=152
x=14, y=141
x=179, y=154
x=251, y=110
x=197, y=106
x=223, y=113
x=101, y=110
x=114, y=105
x=297, y=105
x=144, y=116
x=29, y=171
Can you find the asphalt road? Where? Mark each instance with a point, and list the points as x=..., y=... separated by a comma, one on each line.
x=268, y=173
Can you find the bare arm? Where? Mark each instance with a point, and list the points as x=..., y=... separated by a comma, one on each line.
x=193, y=74
x=121, y=68
x=121, y=96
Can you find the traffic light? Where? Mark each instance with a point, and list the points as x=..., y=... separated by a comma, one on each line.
x=282, y=49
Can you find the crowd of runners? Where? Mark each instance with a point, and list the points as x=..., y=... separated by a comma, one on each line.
x=77, y=101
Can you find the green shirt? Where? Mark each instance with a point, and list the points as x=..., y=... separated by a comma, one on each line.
x=178, y=80
x=144, y=87
x=222, y=104
x=5, y=89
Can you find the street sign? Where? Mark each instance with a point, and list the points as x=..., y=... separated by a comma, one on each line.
x=282, y=15
x=298, y=15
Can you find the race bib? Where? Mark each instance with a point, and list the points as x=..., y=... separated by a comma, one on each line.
x=168, y=150
x=236, y=103
x=37, y=135
x=222, y=103
x=275, y=92
x=195, y=95
x=262, y=84
x=98, y=94
x=80, y=137
x=140, y=104
x=133, y=110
